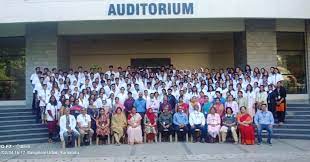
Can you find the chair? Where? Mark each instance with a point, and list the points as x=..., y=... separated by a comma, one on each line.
x=98, y=139
x=176, y=135
x=196, y=131
x=76, y=142
x=160, y=135
x=90, y=139
x=144, y=138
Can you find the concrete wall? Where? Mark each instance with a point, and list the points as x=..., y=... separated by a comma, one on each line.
x=150, y=26
x=240, y=55
x=261, y=43
x=307, y=48
x=209, y=50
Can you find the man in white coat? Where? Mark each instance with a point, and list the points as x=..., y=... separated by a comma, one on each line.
x=67, y=124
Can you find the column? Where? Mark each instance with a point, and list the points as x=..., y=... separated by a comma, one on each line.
x=261, y=46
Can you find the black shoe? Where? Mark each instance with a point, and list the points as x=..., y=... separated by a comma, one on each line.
x=202, y=140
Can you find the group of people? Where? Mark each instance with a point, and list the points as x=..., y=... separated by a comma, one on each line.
x=142, y=102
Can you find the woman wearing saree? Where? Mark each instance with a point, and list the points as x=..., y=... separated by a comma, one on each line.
x=150, y=125
x=245, y=127
x=118, y=124
x=103, y=124
x=214, y=124
x=134, y=130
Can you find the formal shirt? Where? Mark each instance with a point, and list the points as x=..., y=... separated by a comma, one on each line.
x=263, y=117
x=196, y=118
x=234, y=106
x=262, y=97
x=83, y=120
x=180, y=118
x=165, y=119
x=129, y=102
x=54, y=110
x=140, y=105
x=153, y=103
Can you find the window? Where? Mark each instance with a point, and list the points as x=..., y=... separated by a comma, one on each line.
x=291, y=61
x=12, y=68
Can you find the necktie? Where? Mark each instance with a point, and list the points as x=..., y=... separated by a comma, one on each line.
x=67, y=122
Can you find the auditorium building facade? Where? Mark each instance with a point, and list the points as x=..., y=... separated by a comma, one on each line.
x=187, y=33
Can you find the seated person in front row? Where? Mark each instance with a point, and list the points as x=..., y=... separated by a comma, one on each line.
x=180, y=122
x=150, y=125
x=229, y=125
x=84, y=124
x=165, y=122
x=67, y=125
x=264, y=120
x=214, y=124
x=134, y=129
x=197, y=121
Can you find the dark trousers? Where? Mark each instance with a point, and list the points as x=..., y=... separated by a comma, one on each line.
x=259, y=132
x=181, y=131
x=142, y=123
x=165, y=132
x=281, y=116
x=272, y=109
x=202, y=129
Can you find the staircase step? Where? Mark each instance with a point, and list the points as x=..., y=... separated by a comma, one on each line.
x=22, y=126
x=295, y=126
x=24, y=141
x=297, y=121
x=23, y=136
x=21, y=109
x=291, y=131
x=298, y=105
x=298, y=112
x=17, y=117
x=16, y=122
x=297, y=117
x=290, y=136
x=23, y=131
x=4, y=114
x=298, y=109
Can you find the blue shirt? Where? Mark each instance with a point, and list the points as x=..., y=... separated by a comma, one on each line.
x=262, y=117
x=140, y=105
x=180, y=118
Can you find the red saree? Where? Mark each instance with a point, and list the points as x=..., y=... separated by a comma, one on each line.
x=246, y=132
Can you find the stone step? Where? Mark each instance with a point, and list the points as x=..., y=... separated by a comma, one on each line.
x=16, y=122
x=297, y=121
x=290, y=136
x=24, y=136
x=298, y=109
x=24, y=141
x=22, y=126
x=291, y=131
x=294, y=126
x=18, y=109
x=23, y=131
x=298, y=112
x=17, y=117
x=297, y=116
x=4, y=114
x=298, y=105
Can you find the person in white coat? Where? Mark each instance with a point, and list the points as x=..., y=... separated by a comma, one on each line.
x=67, y=124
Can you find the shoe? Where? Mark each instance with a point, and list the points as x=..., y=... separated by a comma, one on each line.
x=202, y=140
x=269, y=143
x=259, y=143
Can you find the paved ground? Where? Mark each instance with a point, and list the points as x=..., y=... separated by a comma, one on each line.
x=282, y=150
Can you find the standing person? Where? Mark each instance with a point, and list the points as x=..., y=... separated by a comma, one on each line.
x=150, y=125
x=241, y=100
x=67, y=124
x=272, y=100
x=52, y=116
x=103, y=124
x=214, y=124
x=245, y=127
x=118, y=125
x=184, y=105
x=134, y=130
x=250, y=95
x=264, y=120
x=44, y=96
x=129, y=103
x=197, y=121
x=261, y=97
x=172, y=100
x=232, y=104
x=280, y=94
x=206, y=106
x=219, y=107
x=140, y=104
x=153, y=104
